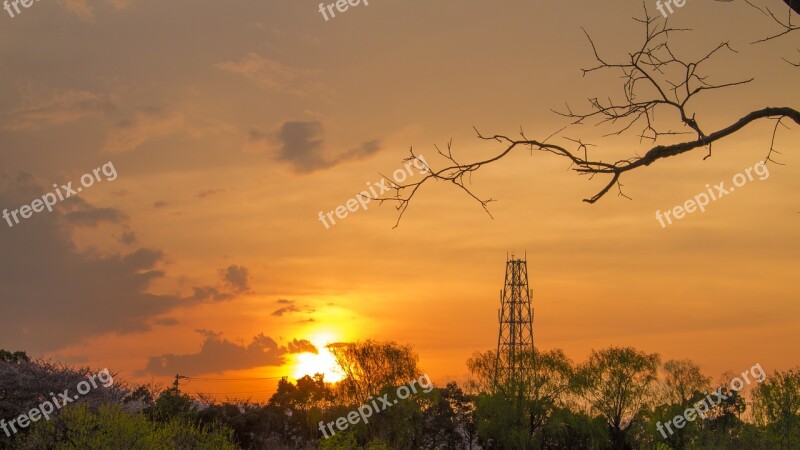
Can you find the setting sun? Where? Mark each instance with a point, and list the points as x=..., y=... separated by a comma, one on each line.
x=323, y=362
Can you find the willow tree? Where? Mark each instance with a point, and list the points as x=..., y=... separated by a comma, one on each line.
x=776, y=404
x=618, y=383
x=370, y=366
x=512, y=412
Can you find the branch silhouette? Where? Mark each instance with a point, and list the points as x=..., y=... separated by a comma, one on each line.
x=655, y=79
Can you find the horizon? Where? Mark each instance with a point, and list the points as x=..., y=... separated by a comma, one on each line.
x=230, y=225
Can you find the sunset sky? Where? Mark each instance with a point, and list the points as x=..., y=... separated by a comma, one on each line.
x=231, y=125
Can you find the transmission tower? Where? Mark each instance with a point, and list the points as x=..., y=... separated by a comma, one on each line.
x=515, y=338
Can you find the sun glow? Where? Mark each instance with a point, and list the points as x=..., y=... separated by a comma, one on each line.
x=323, y=362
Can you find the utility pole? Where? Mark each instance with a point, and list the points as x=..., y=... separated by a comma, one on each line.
x=176, y=383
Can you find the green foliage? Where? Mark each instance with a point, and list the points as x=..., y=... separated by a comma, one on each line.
x=449, y=419
x=776, y=403
x=612, y=401
x=377, y=445
x=370, y=366
x=306, y=401
x=515, y=409
x=501, y=423
x=617, y=383
x=573, y=430
x=339, y=441
x=172, y=404
x=13, y=358
x=79, y=428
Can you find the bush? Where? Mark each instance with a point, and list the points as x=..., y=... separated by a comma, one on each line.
x=77, y=427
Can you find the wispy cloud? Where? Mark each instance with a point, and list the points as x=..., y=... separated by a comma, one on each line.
x=40, y=110
x=269, y=74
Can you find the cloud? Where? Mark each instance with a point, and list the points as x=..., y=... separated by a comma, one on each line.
x=205, y=293
x=301, y=145
x=236, y=277
x=289, y=309
x=302, y=346
x=209, y=192
x=128, y=237
x=54, y=295
x=45, y=109
x=166, y=321
x=218, y=355
x=145, y=125
x=95, y=216
x=83, y=10
x=80, y=8
x=366, y=149
x=257, y=142
x=269, y=74
x=235, y=281
x=284, y=301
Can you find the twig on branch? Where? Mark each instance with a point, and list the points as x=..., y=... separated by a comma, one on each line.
x=654, y=79
x=786, y=26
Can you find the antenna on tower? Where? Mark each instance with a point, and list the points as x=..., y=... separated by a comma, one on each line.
x=515, y=336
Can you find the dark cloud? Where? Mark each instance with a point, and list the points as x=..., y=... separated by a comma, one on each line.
x=236, y=277
x=159, y=204
x=209, y=293
x=256, y=135
x=128, y=237
x=209, y=192
x=302, y=346
x=366, y=149
x=288, y=309
x=167, y=321
x=95, y=216
x=54, y=295
x=235, y=280
x=301, y=145
x=218, y=355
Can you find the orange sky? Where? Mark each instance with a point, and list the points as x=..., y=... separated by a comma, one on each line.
x=231, y=125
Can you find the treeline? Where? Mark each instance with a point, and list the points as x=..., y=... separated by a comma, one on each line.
x=619, y=398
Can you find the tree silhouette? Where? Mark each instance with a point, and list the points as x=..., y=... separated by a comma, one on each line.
x=656, y=79
x=617, y=383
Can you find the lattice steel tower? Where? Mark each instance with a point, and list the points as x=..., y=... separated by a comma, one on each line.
x=515, y=338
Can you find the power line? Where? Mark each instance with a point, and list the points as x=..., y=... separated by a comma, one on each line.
x=234, y=379
x=241, y=392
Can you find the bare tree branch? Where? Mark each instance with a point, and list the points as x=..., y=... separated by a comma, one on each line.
x=786, y=26
x=655, y=78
